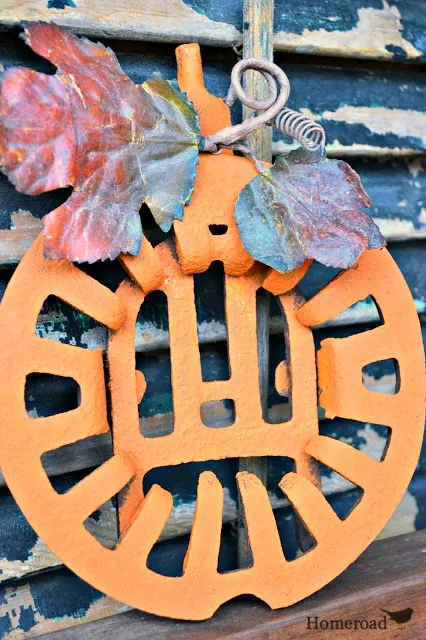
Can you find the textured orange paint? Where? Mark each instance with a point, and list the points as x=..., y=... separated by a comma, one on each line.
x=122, y=572
x=197, y=247
x=278, y=283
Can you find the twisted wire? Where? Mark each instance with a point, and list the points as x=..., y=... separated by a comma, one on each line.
x=305, y=131
x=291, y=123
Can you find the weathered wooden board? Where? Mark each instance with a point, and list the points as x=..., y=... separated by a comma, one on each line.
x=47, y=396
x=388, y=576
x=363, y=111
x=22, y=553
x=49, y=602
x=59, y=600
x=93, y=451
x=362, y=29
x=58, y=321
x=397, y=188
x=157, y=417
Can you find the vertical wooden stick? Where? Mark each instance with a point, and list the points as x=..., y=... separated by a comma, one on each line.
x=257, y=42
x=258, y=35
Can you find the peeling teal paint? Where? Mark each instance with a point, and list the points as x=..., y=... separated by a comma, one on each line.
x=60, y=4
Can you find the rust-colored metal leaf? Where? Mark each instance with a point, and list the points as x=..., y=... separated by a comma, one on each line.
x=306, y=207
x=91, y=127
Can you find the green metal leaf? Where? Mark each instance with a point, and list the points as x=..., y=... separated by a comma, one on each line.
x=306, y=207
x=170, y=154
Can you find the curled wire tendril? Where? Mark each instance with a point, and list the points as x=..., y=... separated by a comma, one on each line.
x=291, y=123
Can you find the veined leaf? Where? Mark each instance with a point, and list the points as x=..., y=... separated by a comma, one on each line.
x=170, y=155
x=306, y=207
x=91, y=127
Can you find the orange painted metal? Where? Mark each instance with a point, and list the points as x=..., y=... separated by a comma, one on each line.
x=122, y=572
x=197, y=247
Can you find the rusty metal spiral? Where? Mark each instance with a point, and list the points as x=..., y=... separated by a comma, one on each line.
x=304, y=130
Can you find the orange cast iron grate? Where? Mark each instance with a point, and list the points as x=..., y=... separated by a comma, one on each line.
x=122, y=572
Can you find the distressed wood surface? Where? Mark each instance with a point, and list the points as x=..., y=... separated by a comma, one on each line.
x=388, y=575
x=94, y=450
x=391, y=30
x=397, y=188
x=258, y=17
x=23, y=554
x=366, y=113
x=363, y=111
x=60, y=322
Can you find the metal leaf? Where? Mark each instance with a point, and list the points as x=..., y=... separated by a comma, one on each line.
x=91, y=127
x=170, y=155
x=306, y=207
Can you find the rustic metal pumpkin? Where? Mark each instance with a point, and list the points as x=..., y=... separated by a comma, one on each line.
x=122, y=572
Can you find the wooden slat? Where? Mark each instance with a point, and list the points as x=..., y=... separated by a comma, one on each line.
x=360, y=29
x=371, y=112
x=66, y=325
x=397, y=188
x=362, y=112
x=35, y=557
x=258, y=18
x=94, y=450
x=388, y=576
x=52, y=601
x=22, y=553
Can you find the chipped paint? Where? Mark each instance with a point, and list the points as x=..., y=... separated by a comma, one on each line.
x=149, y=336
x=40, y=557
x=182, y=516
x=404, y=123
x=374, y=444
x=384, y=384
x=17, y=600
x=420, y=306
x=171, y=21
x=336, y=149
x=422, y=216
x=415, y=167
x=398, y=230
x=22, y=219
x=334, y=483
x=375, y=32
x=403, y=519
x=94, y=338
x=52, y=325
x=60, y=4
